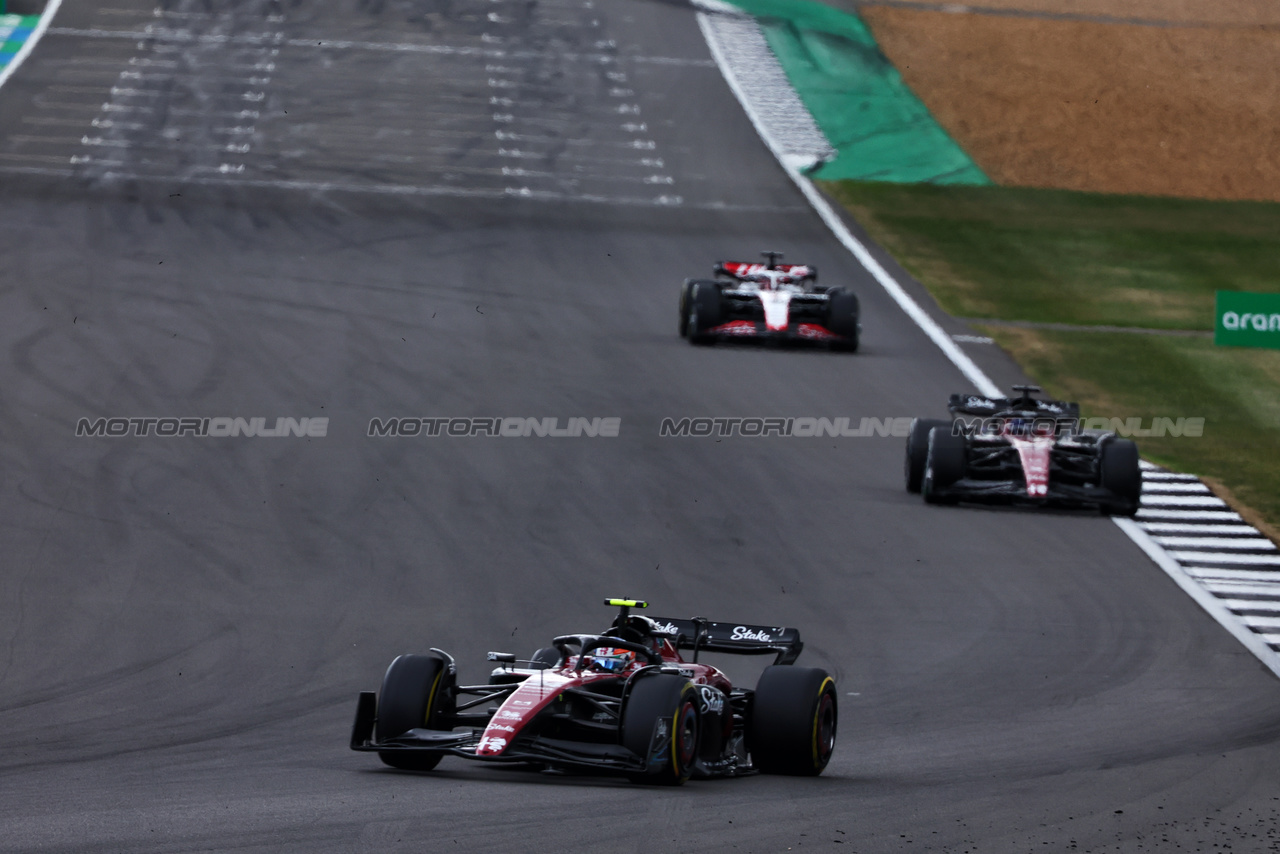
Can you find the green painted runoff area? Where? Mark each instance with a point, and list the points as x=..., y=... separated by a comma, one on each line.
x=14, y=32
x=880, y=128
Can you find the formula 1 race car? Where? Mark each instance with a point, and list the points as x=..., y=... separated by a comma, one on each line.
x=1021, y=450
x=770, y=301
x=624, y=701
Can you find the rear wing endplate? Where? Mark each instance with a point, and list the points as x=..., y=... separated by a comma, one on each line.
x=701, y=635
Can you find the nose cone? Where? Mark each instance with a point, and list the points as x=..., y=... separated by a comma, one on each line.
x=521, y=707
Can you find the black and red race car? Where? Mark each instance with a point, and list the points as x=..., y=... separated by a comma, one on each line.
x=781, y=302
x=625, y=701
x=1022, y=450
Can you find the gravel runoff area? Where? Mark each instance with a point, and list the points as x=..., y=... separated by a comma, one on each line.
x=1153, y=97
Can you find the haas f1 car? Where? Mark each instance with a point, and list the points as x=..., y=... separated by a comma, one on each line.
x=1021, y=450
x=773, y=301
x=624, y=701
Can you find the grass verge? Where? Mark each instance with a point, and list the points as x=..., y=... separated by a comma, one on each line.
x=1049, y=256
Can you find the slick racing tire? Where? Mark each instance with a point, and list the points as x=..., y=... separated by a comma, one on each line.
x=1120, y=474
x=704, y=312
x=918, y=450
x=842, y=318
x=411, y=697
x=945, y=463
x=660, y=725
x=685, y=292
x=793, y=721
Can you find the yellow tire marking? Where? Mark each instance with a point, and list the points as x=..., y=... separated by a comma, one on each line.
x=431, y=698
x=817, y=716
x=675, y=721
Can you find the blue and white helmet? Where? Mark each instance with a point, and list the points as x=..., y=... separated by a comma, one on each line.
x=611, y=659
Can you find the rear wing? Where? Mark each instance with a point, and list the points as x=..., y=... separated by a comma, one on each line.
x=974, y=404
x=702, y=635
x=742, y=269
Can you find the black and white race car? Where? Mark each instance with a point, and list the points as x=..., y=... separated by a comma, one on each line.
x=1021, y=450
x=781, y=302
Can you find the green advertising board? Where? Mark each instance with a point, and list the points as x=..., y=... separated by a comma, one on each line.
x=1246, y=320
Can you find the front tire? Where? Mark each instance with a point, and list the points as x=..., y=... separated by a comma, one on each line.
x=793, y=721
x=660, y=725
x=918, y=450
x=945, y=463
x=412, y=697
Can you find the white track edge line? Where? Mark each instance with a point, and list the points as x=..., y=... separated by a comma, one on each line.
x=842, y=233
x=1206, y=600
x=30, y=44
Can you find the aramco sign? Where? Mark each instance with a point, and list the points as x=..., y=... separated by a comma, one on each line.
x=1246, y=320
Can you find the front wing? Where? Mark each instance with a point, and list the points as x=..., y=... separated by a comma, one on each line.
x=1015, y=491
x=798, y=332
x=526, y=749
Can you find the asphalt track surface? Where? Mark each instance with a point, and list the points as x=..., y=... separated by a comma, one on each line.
x=186, y=621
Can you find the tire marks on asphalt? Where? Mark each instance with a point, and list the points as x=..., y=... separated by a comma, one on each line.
x=1207, y=548
x=500, y=99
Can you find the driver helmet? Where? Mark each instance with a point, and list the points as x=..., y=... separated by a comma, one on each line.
x=1018, y=426
x=611, y=659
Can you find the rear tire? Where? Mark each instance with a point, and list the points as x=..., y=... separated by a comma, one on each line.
x=656, y=700
x=684, y=307
x=793, y=720
x=1120, y=474
x=704, y=312
x=945, y=464
x=842, y=318
x=411, y=697
x=918, y=450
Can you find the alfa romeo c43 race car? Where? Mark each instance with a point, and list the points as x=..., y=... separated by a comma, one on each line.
x=1021, y=450
x=624, y=701
x=773, y=301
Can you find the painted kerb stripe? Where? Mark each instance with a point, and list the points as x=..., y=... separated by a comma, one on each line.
x=1154, y=505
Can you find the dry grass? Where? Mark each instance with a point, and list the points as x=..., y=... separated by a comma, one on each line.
x=1247, y=513
x=1116, y=108
x=1119, y=375
x=1238, y=12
